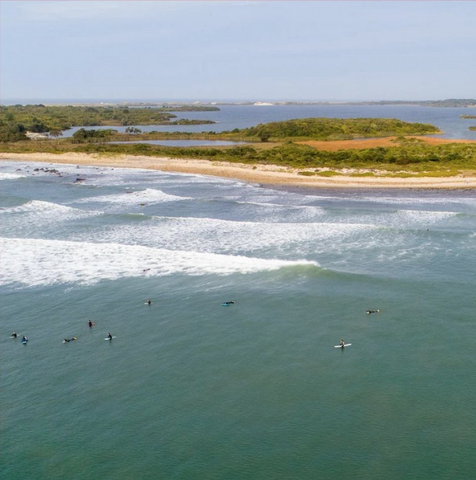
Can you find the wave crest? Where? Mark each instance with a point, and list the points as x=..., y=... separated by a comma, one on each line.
x=35, y=262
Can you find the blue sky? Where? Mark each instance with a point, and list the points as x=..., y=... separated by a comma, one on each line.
x=243, y=50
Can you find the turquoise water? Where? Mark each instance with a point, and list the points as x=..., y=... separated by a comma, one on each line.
x=189, y=389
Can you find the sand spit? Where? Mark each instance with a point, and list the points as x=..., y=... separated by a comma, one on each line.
x=264, y=174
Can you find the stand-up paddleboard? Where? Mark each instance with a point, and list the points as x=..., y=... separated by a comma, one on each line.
x=107, y=338
x=342, y=346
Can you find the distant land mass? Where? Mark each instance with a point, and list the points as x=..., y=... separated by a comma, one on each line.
x=451, y=102
x=212, y=105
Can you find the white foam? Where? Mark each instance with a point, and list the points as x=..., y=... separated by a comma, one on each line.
x=44, y=211
x=224, y=236
x=10, y=176
x=149, y=195
x=45, y=262
x=424, y=216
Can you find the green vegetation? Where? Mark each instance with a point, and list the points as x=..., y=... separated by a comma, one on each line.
x=472, y=129
x=413, y=157
x=186, y=121
x=39, y=119
x=276, y=146
x=83, y=135
x=336, y=129
x=329, y=173
x=12, y=132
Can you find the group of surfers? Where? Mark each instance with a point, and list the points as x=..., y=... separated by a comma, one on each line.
x=23, y=338
x=149, y=302
x=91, y=324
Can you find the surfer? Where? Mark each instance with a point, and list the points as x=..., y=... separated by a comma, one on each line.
x=67, y=340
x=149, y=302
x=368, y=312
x=24, y=339
x=14, y=335
x=109, y=336
x=229, y=303
x=146, y=270
x=342, y=343
x=90, y=324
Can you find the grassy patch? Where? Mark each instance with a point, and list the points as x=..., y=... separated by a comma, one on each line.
x=329, y=173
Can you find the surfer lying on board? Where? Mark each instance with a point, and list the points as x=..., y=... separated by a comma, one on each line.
x=368, y=312
x=67, y=340
x=229, y=303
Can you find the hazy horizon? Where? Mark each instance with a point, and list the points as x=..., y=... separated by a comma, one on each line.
x=213, y=100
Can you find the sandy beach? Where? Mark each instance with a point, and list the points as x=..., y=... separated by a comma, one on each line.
x=264, y=174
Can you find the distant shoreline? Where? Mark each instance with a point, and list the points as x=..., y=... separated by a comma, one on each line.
x=452, y=103
x=261, y=174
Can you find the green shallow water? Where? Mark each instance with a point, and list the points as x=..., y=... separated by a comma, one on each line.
x=191, y=389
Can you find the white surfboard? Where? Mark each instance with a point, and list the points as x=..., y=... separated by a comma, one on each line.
x=107, y=338
x=342, y=346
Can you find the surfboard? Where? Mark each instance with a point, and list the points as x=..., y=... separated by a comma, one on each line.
x=342, y=346
x=24, y=342
x=110, y=338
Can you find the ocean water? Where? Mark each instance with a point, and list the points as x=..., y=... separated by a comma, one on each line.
x=189, y=389
x=448, y=120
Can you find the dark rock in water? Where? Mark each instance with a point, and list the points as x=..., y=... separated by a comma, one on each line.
x=36, y=170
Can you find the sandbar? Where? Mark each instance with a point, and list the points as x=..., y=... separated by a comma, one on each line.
x=261, y=174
